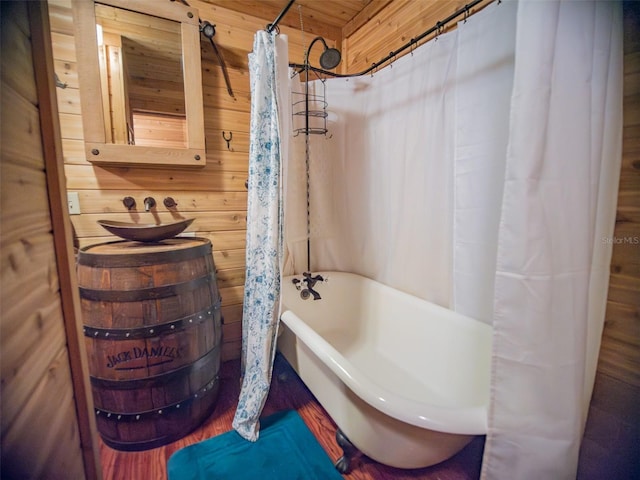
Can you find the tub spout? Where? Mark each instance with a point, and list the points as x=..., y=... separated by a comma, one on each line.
x=309, y=290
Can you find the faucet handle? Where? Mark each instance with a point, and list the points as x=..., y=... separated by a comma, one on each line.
x=169, y=202
x=309, y=277
x=129, y=202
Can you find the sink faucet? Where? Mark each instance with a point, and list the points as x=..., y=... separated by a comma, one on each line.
x=149, y=203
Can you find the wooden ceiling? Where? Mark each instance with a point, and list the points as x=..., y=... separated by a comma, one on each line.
x=334, y=18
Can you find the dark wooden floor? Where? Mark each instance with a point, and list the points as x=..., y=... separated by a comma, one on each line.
x=287, y=392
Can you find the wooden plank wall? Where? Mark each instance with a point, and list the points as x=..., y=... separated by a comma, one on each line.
x=215, y=195
x=40, y=437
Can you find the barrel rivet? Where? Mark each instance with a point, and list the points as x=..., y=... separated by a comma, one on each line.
x=106, y=334
x=159, y=412
x=108, y=415
x=137, y=417
x=173, y=327
x=178, y=406
x=127, y=334
x=151, y=330
x=199, y=317
x=119, y=417
x=196, y=395
x=191, y=320
x=97, y=412
x=95, y=334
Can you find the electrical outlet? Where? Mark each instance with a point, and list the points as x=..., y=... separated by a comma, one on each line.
x=74, y=203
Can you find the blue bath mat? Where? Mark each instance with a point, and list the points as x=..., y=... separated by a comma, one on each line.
x=285, y=450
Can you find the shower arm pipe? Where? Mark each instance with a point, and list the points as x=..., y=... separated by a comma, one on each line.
x=466, y=10
x=307, y=67
x=272, y=26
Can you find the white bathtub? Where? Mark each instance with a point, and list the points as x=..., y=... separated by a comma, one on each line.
x=405, y=380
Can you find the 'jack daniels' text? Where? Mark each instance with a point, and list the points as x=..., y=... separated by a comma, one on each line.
x=161, y=353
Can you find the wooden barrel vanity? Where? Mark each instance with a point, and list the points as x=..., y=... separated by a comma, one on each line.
x=152, y=325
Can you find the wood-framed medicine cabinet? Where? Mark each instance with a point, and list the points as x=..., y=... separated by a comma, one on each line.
x=124, y=93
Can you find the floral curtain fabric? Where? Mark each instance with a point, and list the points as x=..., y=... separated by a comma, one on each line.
x=264, y=238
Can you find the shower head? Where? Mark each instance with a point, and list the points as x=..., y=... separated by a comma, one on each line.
x=329, y=59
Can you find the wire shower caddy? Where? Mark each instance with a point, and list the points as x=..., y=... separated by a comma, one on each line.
x=312, y=107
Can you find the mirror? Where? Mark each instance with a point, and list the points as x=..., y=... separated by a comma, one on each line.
x=140, y=59
x=140, y=82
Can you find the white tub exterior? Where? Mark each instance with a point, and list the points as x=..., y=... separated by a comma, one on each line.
x=405, y=380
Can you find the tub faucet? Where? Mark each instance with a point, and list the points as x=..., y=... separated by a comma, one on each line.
x=310, y=282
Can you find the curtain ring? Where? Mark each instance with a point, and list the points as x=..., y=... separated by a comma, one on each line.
x=439, y=29
x=274, y=28
x=466, y=13
x=392, y=58
x=412, y=45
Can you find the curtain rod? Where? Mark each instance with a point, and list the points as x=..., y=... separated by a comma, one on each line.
x=438, y=27
x=284, y=11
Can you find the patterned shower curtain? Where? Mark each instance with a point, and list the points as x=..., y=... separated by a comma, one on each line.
x=264, y=236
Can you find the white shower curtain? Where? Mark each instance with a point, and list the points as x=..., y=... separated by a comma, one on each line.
x=481, y=173
x=551, y=276
x=380, y=192
x=268, y=64
x=483, y=92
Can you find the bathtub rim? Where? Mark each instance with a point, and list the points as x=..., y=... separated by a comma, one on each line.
x=470, y=420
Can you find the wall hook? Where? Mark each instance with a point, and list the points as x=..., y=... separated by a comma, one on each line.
x=228, y=140
x=59, y=84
